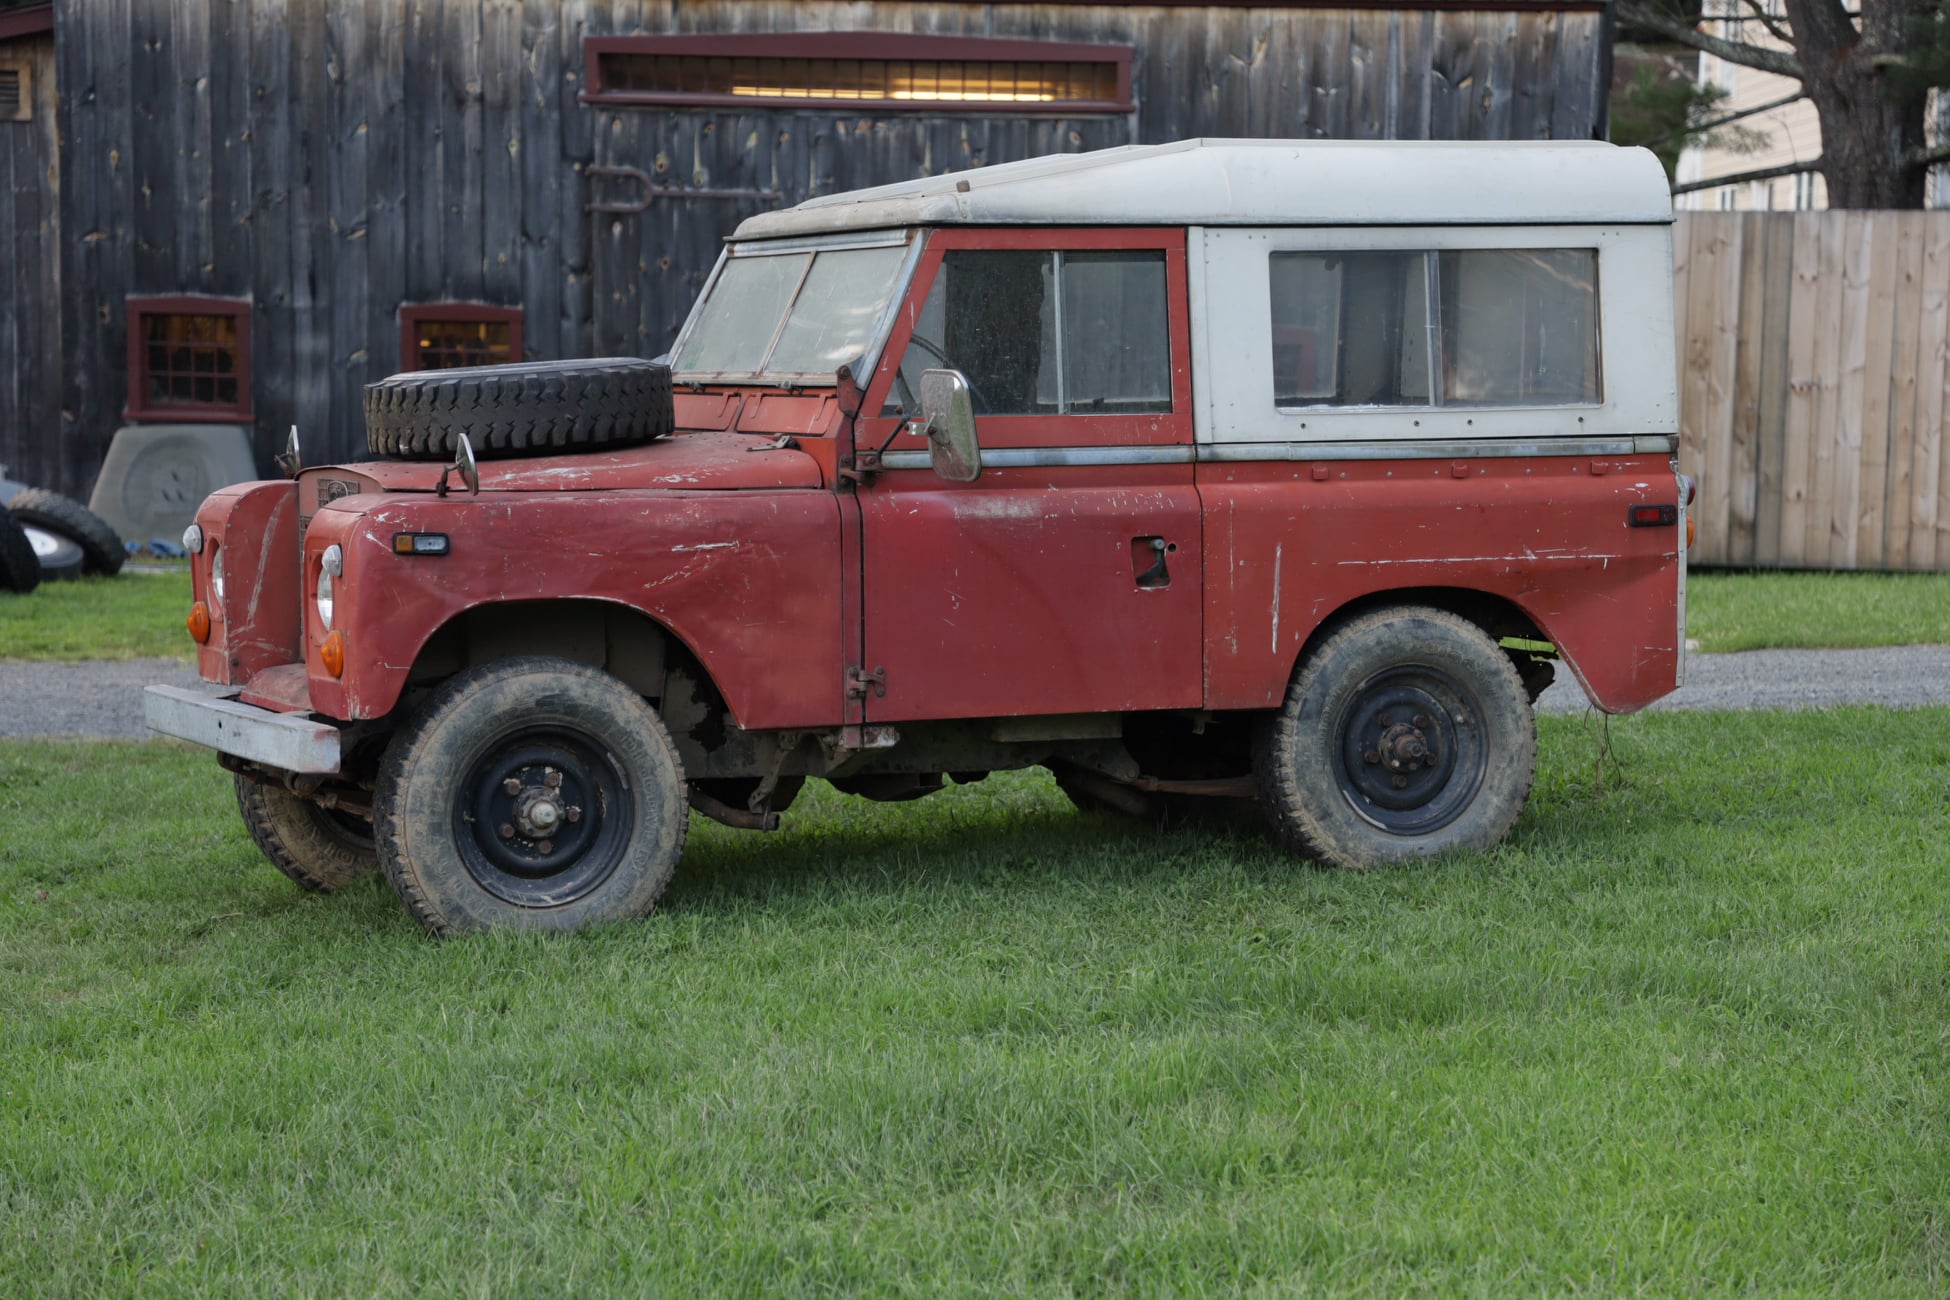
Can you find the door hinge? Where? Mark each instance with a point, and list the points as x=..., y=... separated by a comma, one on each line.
x=865, y=465
x=859, y=682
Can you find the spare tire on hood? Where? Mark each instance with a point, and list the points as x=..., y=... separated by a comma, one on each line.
x=531, y=408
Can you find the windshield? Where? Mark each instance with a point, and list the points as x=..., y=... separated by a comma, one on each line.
x=790, y=315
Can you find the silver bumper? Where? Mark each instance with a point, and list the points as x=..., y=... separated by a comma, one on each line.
x=290, y=741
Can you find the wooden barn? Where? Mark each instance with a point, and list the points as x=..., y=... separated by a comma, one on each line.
x=241, y=211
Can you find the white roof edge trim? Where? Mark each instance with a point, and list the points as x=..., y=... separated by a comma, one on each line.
x=1265, y=183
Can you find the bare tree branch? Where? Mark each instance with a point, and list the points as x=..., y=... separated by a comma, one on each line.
x=1741, y=178
x=1930, y=156
x=1708, y=127
x=1747, y=56
x=1766, y=20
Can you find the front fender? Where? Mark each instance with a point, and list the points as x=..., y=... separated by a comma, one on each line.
x=750, y=581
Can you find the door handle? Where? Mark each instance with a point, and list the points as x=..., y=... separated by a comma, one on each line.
x=1148, y=561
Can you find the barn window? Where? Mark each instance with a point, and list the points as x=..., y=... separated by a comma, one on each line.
x=16, y=91
x=440, y=335
x=189, y=358
x=855, y=70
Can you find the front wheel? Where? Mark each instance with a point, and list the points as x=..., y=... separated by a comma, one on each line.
x=320, y=849
x=1407, y=733
x=531, y=793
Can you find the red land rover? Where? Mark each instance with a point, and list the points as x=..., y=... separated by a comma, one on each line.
x=1214, y=470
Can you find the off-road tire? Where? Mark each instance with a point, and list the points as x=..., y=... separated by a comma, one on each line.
x=530, y=408
x=20, y=568
x=101, y=547
x=1377, y=687
x=319, y=848
x=442, y=801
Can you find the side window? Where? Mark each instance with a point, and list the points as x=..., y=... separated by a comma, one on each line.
x=1473, y=327
x=1045, y=332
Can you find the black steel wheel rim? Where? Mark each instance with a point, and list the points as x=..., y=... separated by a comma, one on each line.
x=1409, y=753
x=541, y=818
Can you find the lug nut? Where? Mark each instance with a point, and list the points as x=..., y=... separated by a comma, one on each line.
x=1385, y=720
x=553, y=780
x=511, y=785
x=507, y=831
x=1401, y=783
x=1422, y=720
x=574, y=814
x=1372, y=756
x=546, y=847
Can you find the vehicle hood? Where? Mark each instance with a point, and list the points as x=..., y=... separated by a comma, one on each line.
x=723, y=461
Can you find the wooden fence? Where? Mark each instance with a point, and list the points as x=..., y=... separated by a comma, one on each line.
x=1814, y=384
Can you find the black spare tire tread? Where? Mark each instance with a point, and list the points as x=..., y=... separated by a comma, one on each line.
x=101, y=546
x=20, y=568
x=526, y=409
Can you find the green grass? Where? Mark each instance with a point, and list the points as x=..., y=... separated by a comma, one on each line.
x=1768, y=610
x=129, y=616
x=1684, y=1031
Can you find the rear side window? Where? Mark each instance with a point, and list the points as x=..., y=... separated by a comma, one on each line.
x=1421, y=328
x=1046, y=332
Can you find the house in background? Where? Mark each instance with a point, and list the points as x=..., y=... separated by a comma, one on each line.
x=240, y=212
x=1787, y=122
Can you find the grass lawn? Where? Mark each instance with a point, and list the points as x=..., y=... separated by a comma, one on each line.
x=1685, y=1030
x=1764, y=610
x=129, y=616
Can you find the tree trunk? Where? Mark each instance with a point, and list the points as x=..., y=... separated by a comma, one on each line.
x=1868, y=128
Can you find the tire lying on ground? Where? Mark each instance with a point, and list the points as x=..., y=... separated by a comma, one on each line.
x=532, y=408
x=60, y=557
x=101, y=548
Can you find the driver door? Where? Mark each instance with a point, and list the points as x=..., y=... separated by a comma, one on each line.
x=1066, y=578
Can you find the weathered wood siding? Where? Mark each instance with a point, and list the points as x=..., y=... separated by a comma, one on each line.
x=333, y=160
x=1814, y=387
x=30, y=262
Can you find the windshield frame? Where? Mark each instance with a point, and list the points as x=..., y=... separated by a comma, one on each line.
x=876, y=339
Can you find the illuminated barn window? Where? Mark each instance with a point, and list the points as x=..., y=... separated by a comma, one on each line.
x=851, y=70
x=439, y=336
x=189, y=357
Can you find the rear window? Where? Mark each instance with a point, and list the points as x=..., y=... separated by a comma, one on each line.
x=1426, y=328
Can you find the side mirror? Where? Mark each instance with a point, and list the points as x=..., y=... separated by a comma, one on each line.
x=462, y=464
x=948, y=420
x=470, y=473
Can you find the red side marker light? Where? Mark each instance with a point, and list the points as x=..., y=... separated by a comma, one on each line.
x=1654, y=516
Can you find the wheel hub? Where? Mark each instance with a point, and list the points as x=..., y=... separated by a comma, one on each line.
x=532, y=814
x=1408, y=761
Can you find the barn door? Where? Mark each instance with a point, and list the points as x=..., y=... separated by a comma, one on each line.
x=652, y=246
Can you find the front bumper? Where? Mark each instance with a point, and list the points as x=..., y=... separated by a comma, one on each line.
x=291, y=742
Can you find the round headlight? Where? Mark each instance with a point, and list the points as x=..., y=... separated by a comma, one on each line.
x=333, y=561
x=216, y=577
x=193, y=539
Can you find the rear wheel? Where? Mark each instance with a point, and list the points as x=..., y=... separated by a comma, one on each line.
x=322, y=849
x=531, y=793
x=1407, y=733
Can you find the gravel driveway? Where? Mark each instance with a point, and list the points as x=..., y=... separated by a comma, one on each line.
x=105, y=699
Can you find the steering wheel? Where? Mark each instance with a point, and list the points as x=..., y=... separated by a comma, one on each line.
x=935, y=350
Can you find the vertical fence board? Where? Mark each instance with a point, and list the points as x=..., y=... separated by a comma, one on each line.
x=1776, y=271
x=1870, y=548
x=1829, y=304
x=1905, y=311
x=1721, y=385
x=1804, y=391
x=1930, y=493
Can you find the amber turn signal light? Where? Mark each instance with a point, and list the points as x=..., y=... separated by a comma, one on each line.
x=332, y=653
x=199, y=622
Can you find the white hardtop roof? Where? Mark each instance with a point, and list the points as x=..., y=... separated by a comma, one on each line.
x=1264, y=183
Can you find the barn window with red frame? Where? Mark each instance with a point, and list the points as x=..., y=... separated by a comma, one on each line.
x=189, y=359
x=443, y=335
